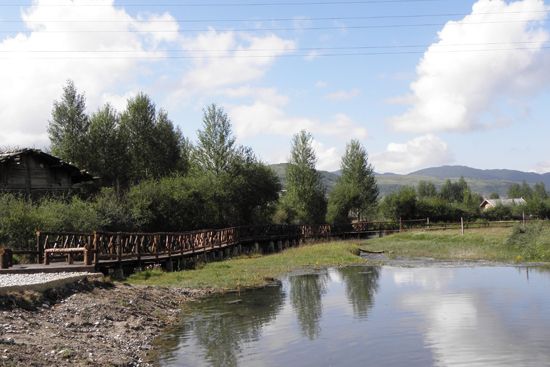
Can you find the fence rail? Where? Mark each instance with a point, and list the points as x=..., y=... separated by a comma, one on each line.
x=115, y=247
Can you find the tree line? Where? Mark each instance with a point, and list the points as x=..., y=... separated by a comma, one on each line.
x=456, y=199
x=152, y=178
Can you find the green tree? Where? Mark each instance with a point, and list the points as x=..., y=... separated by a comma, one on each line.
x=454, y=192
x=68, y=127
x=494, y=195
x=216, y=148
x=304, y=200
x=356, y=190
x=400, y=204
x=520, y=191
x=244, y=189
x=426, y=189
x=153, y=146
x=105, y=139
x=539, y=191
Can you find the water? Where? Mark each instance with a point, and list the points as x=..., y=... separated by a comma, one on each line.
x=375, y=316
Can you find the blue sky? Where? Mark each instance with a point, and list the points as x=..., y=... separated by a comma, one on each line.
x=419, y=83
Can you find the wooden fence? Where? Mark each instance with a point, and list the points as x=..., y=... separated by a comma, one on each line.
x=117, y=247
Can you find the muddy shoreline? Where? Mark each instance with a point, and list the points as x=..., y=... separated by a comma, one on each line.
x=88, y=323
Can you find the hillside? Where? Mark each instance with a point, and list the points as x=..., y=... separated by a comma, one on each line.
x=444, y=172
x=329, y=178
x=484, y=182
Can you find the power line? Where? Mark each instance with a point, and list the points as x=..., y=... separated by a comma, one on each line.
x=297, y=18
x=251, y=4
x=239, y=50
x=260, y=29
x=167, y=57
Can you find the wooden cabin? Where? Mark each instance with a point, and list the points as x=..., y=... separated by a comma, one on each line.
x=492, y=203
x=34, y=173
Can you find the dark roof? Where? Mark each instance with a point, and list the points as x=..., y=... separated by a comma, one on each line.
x=77, y=174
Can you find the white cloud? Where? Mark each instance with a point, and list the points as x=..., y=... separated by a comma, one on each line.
x=420, y=152
x=321, y=84
x=343, y=95
x=33, y=80
x=328, y=158
x=232, y=58
x=542, y=167
x=266, y=115
x=454, y=91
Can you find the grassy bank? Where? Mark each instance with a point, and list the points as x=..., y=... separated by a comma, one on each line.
x=493, y=244
x=254, y=271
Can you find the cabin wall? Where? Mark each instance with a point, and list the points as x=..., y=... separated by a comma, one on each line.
x=30, y=174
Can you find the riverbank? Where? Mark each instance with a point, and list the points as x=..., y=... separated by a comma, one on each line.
x=256, y=270
x=94, y=323
x=103, y=324
x=511, y=245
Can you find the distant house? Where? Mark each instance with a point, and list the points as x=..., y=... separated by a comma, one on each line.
x=492, y=203
x=35, y=173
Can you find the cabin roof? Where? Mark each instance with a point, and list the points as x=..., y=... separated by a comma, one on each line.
x=77, y=174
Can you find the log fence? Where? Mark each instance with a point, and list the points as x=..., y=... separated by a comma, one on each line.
x=110, y=248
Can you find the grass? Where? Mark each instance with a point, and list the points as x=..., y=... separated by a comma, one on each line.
x=493, y=244
x=245, y=272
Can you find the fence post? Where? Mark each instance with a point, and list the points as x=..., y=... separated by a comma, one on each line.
x=462, y=226
x=523, y=218
x=400, y=224
x=39, y=248
x=95, y=249
x=428, y=223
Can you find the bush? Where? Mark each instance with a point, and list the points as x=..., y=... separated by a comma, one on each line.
x=18, y=222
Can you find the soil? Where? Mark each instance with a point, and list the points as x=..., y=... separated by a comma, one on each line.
x=89, y=323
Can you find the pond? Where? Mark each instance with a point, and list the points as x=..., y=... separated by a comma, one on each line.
x=376, y=316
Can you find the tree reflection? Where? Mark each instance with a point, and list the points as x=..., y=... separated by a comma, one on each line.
x=306, y=292
x=361, y=285
x=222, y=333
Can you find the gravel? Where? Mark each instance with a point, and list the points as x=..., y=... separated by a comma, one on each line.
x=12, y=280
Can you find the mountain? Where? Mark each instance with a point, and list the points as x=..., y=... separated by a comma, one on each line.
x=483, y=174
x=328, y=178
x=481, y=181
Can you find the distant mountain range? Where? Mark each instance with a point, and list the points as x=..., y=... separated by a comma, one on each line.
x=483, y=181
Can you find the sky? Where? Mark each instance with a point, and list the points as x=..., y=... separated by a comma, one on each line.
x=419, y=83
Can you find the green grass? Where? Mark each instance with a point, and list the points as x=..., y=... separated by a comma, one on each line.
x=244, y=272
x=493, y=244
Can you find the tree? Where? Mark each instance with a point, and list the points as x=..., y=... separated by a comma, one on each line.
x=494, y=195
x=305, y=198
x=356, y=190
x=68, y=127
x=153, y=145
x=455, y=192
x=520, y=191
x=243, y=189
x=105, y=140
x=216, y=149
x=539, y=191
x=426, y=189
x=400, y=204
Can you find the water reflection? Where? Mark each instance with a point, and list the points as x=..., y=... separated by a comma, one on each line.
x=306, y=292
x=487, y=323
x=361, y=285
x=222, y=324
x=447, y=316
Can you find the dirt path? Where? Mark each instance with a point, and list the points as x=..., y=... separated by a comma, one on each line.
x=86, y=324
